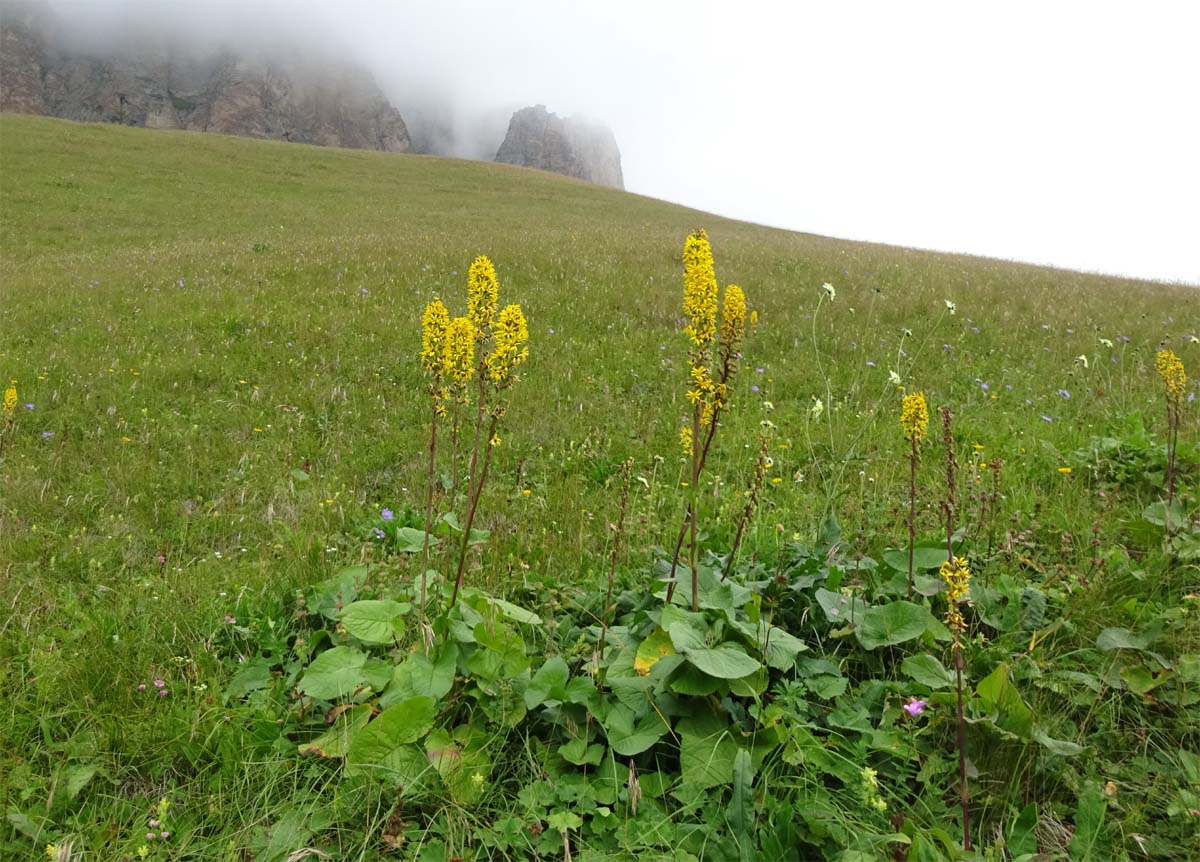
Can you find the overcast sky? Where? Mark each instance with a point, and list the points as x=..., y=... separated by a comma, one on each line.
x=1052, y=132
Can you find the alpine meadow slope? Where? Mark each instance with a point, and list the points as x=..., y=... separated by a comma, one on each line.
x=213, y=491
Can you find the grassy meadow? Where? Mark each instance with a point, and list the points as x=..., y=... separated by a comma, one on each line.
x=214, y=343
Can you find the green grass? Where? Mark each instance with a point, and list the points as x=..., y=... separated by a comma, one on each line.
x=195, y=317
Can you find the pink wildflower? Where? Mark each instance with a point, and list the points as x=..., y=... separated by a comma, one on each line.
x=915, y=707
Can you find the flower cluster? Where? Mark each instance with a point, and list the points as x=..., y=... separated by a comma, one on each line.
x=914, y=416
x=483, y=294
x=733, y=316
x=10, y=399
x=434, y=323
x=511, y=335
x=458, y=354
x=958, y=581
x=699, y=291
x=709, y=387
x=1170, y=369
x=870, y=790
x=685, y=441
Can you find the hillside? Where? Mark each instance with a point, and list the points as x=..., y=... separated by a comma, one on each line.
x=217, y=339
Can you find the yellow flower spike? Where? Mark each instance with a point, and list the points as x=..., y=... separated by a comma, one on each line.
x=733, y=316
x=434, y=323
x=458, y=352
x=10, y=399
x=483, y=294
x=685, y=440
x=914, y=416
x=699, y=290
x=754, y=318
x=1168, y=365
x=512, y=332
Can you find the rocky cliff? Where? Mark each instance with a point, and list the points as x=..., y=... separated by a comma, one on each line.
x=577, y=148
x=277, y=98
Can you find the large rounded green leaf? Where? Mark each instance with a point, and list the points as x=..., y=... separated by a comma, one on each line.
x=334, y=673
x=375, y=621
x=725, y=661
x=628, y=737
x=385, y=745
x=893, y=623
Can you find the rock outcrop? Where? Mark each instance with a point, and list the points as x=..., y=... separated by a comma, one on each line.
x=280, y=99
x=574, y=147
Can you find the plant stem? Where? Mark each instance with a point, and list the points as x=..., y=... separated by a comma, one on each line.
x=429, y=505
x=964, y=796
x=474, y=489
x=912, y=513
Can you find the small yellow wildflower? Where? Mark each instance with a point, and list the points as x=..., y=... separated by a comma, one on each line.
x=434, y=323
x=495, y=441
x=685, y=440
x=526, y=492
x=10, y=399
x=775, y=480
x=699, y=290
x=914, y=416
x=1168, y=365
x=143, y=852
x=512, y=333
x=52, y=851
x=754, y=317
x=1066, y=471
x=483, y=294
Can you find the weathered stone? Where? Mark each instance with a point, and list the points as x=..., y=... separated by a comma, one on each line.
x=574, y=147
x=264, y=98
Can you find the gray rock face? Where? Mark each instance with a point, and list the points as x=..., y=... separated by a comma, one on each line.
x=277, y=99
x=574, y=147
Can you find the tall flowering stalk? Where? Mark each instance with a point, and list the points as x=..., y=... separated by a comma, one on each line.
x=435, y=321
x=1174, y=378
x=10, y=410
x=502, y=342
x=458, y=366
x=957, y=577
x=709, y=386
x=914, y=420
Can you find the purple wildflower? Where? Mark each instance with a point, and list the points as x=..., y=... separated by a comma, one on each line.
x=1065, y=394
x=915, y=707
x=387, y=514
x=379, y=534
x=1047, y=419
x=870, y=364
x=46, y=435
x=754, y=388
x=29, y=405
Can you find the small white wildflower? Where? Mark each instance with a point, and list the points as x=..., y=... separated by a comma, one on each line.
x=1106, y=342
x=818, y=407
x=1082, y=359
x=829, y=291
x=950, y=306
x=893, y=377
